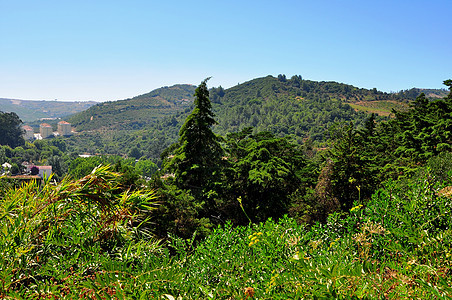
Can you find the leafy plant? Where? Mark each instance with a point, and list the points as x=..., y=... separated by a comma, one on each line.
x=72, y=225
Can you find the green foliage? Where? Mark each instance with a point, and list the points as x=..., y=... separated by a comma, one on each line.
x=83, y=239
x=196, y=162
x=146, y=167
x=418, y=134
x=82, y=166
x=264, y=172
x=362, y=158
x=352, y=175
x=179, y=213
x=11, y=132
x=388, y=248
x=62, y=234
x=129, y=180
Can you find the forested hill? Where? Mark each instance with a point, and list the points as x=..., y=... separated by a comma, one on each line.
x=243, y=105
x=137, y=112
x=301, y=109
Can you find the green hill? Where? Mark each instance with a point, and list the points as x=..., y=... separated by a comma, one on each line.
x=137, y=112
x=297, y=107
x=32, y=110
x=301, y=109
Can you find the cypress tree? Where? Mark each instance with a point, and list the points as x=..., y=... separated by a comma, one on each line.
x=197, y=160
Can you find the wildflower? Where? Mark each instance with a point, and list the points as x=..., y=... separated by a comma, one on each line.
x=249, y=292
x=254, y=238
x=356, y=207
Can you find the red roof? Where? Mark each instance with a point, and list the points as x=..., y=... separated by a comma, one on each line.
x=44, y=167
x=63, y=122
x=45, y=125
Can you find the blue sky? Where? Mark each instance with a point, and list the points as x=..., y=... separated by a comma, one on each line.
x=110, y=50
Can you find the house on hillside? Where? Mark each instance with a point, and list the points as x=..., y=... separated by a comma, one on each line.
x=44, y=171
x=29, y=133
x=45, y=130
x=64, y=128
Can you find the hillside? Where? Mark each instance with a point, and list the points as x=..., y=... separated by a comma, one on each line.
x=137, y=112
x=301, y=109
x=252, y=103
x=32, y=110
x=297, y=107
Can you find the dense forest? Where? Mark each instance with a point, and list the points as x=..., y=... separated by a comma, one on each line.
x=285, y=191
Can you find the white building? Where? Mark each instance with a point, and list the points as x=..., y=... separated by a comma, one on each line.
x=29, y=134
x=45, y=130
x=64, y=128
x=44, y=171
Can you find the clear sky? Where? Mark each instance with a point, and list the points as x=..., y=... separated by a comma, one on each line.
x=109, y=50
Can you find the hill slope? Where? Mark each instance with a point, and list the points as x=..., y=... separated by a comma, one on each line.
x=137, y=112
x=301, y=109
x=32, y=110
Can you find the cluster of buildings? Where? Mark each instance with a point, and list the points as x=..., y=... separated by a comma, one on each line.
x=30, y=171
x=46, y=131
x=39, y=172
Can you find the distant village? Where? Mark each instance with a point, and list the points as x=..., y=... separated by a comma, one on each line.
x=46, y=131
x=32, y=171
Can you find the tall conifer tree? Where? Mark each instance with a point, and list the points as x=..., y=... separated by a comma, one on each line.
x=196, y=163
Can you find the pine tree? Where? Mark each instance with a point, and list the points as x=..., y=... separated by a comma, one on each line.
x=196, y=163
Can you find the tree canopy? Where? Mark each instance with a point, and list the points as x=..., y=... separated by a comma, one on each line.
x=198, y=154
x=11, y=132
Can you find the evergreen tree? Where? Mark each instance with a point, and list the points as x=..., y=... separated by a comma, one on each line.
x=11, y=132
x=352, y=169
x=265, y=171
x=196, y=163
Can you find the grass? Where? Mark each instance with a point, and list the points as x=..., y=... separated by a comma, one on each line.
x=382, y=108
x=90, y=239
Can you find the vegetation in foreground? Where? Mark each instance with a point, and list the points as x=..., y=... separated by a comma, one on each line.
x=90, y=239
x=376, y=225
